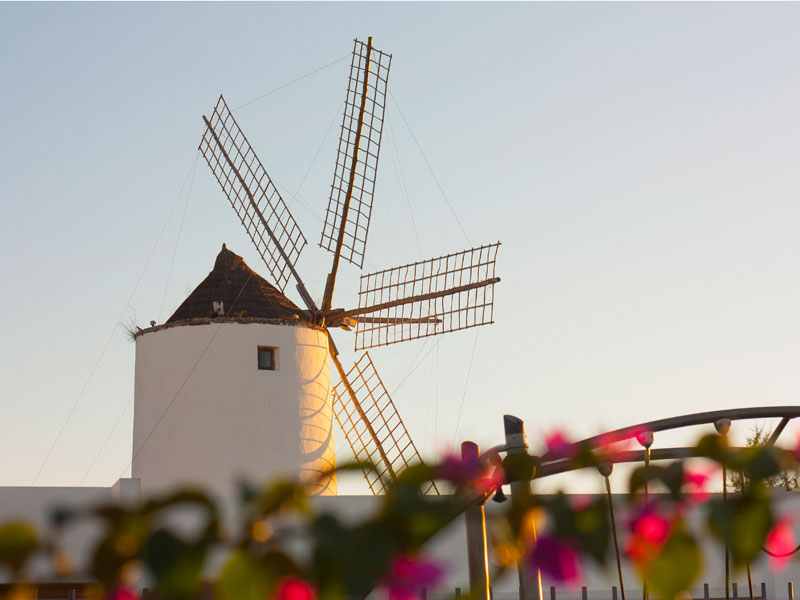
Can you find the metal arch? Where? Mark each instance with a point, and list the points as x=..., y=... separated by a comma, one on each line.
x=555, y=466
x=627, y=456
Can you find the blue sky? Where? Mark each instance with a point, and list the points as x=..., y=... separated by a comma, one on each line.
x=638, y=162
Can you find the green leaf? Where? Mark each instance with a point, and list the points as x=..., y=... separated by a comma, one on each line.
x=369, y=551
x=742, y=523
x=107, y=562
x=588, y=526
x=283, y=495
x=350, y=562
x=328, y=535
x=716, y=448
x=675, y=568
x=418, y=474
x=760, y=463
x=17, y=543
x=588, y=457
x=414, y=517
x=243, y=579
x=175, y=564
x=671, y=477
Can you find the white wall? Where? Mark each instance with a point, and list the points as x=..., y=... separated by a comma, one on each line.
x=35, y=505
x=204, y=414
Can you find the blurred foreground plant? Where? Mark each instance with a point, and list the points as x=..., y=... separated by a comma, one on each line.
x=284, y=549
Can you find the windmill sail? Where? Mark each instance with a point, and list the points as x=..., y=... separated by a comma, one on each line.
x=252, y=194
x=372, y=425
x=425, y=298
x=350, y=203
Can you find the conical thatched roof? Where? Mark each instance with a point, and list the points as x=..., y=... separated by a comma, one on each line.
x=243, y=292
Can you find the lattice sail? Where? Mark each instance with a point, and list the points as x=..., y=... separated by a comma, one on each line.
x=252, y=194
x=360, y=137
x=427, y=298
x=390, y=449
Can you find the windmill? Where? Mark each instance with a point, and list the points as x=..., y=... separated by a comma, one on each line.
x=420, y=299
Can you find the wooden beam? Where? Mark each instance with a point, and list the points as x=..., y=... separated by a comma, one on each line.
x=327, y=299
x=417, y=298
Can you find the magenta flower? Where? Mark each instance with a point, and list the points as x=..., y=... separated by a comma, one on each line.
x=471, y=471
x=579, y=502
x=780, y=544
x=408, y=575
x=122, y=593
x=559, y=446
x=461, y=471
x=694, y=483
x=555, y=558
x=796, y=450
x=650, y=530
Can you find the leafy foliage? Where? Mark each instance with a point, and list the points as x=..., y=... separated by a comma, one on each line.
x=555, y=534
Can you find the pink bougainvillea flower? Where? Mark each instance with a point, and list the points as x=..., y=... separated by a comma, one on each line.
x=408, y=575
x=796, y=450
x=471, y=471
x=649, y=530
x=580, y=501
x=291, y=587
x=694, y=484
x=461, y=471
x=559, y=446
x=780, y=544
x=652, y=528
x=122, y=593
x=555, y=558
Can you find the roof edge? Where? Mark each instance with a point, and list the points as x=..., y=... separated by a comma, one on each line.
x=241, y=321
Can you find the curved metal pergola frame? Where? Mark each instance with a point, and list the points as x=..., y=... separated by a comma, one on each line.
x=555, y=465
x=552, y=464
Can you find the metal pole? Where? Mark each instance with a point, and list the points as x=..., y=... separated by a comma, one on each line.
x=605, y=470
x=477, y=554
x=749, y=574
x=530, y=587
x=723, y=426
x=645, y=438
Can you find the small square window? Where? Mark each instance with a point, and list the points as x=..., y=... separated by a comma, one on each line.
x=266, y=358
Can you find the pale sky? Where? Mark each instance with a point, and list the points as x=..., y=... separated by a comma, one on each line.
x=638, y=162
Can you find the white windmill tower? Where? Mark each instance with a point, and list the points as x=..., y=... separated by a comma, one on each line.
x=207, y=410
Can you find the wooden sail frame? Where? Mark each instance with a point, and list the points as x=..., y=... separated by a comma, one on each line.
x=443, y=294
